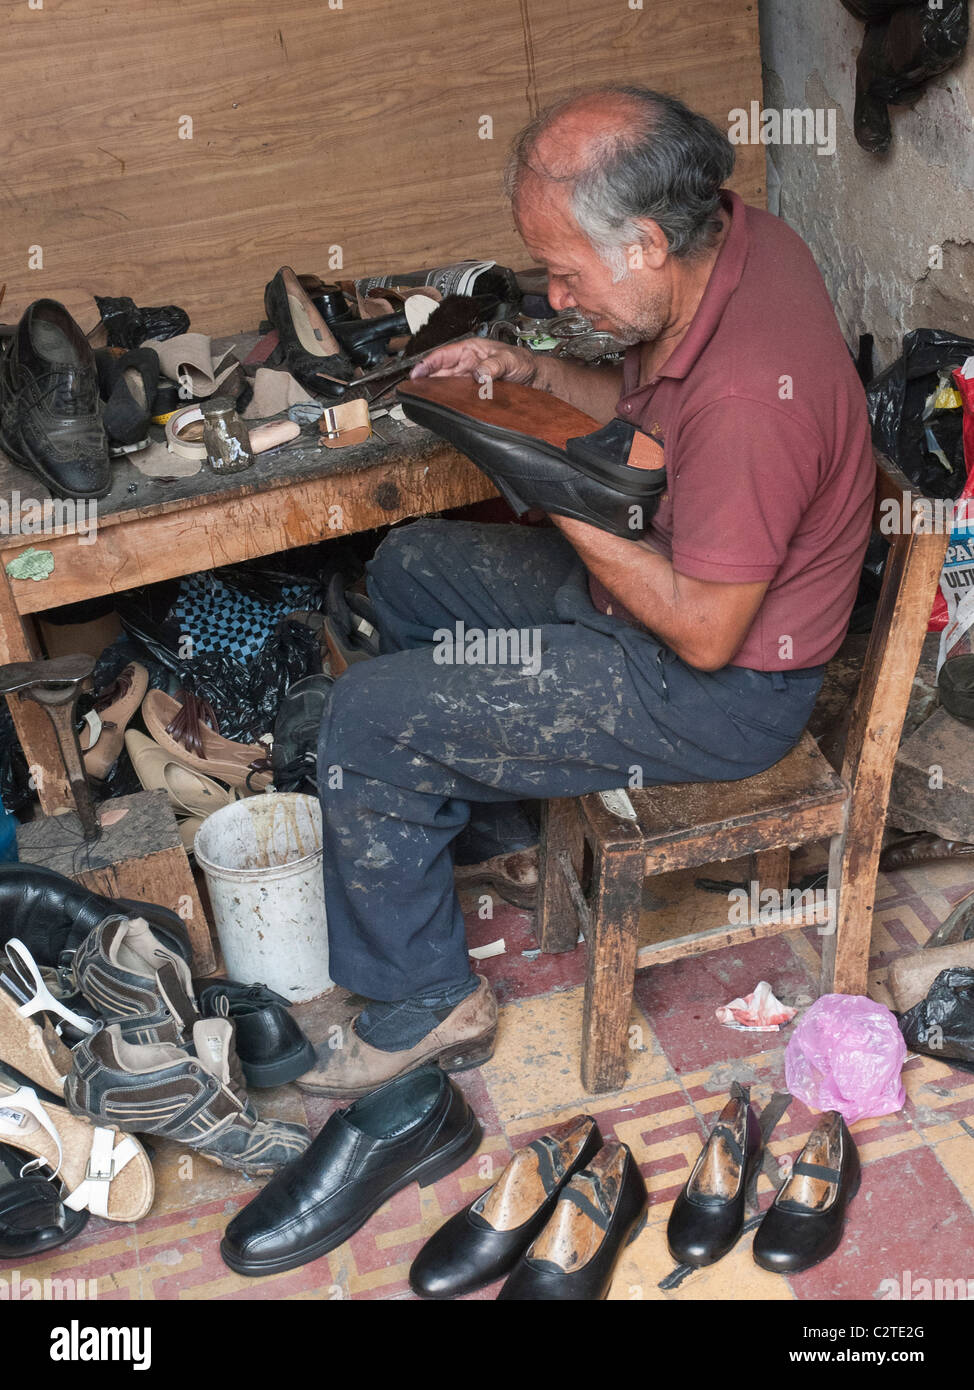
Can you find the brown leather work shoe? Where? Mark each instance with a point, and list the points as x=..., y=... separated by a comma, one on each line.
x=513, y=877
x=464, y=1039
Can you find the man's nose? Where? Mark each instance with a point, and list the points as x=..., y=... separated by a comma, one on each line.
x=560, y=297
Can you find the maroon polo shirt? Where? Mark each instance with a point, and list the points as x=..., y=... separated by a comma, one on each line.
x=770, y=472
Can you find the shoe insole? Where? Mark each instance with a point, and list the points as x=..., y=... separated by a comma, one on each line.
x=136, y=386
x=52, y=344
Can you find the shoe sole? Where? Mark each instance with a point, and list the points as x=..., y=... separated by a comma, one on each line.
x=438, y=1165
x=263, y=1075
x=27, y=461
x=463, y=1057
x=511, y=893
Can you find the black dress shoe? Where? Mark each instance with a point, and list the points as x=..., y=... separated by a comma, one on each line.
x=541, y=452
x=708, y=1216
x=601, y=1210
x=416, y=1128
x=308, y=346
x=33, y=1217
x=52, y=914
x=485, y=1240
x=271, y=1047
x=804, y=1224
x=50, y=420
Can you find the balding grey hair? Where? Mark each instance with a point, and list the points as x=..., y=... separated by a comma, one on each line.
x=668, y=166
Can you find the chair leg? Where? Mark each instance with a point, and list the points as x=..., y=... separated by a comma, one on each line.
x=772, y=869
x=555, y=920
x=612, y=942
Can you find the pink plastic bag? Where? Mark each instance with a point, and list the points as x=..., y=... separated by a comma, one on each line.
x=846, y=1054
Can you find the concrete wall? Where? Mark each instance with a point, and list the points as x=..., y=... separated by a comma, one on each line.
x=869, y=220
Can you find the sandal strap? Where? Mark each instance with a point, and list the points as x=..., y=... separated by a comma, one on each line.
x=816, y=1170
x=42, y=1000
x=106, y=1159
x=25, y=1099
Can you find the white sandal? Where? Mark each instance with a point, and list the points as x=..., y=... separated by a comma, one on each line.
x=104, y=1171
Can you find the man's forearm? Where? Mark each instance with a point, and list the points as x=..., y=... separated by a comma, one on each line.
x=595, y=390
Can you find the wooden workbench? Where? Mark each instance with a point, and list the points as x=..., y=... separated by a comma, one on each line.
x=150, y=529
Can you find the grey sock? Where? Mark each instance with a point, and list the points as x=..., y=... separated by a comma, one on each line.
x=401, y=1024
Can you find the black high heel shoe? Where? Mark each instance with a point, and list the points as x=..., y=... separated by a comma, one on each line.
x=128, y=386
x=804, y=1224
x=308, y=346
x=708, y=1216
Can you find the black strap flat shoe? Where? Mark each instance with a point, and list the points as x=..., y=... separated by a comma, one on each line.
x=804, y=1224
x=485, y=1240
x=708, y=1215
x=573, y=1259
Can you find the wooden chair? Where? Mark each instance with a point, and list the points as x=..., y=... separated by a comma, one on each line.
x=799, y=800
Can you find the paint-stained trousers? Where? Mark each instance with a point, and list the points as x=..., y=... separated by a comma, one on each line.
x=411, y=743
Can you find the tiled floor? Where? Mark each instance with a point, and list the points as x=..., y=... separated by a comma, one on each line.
x=915, y=1211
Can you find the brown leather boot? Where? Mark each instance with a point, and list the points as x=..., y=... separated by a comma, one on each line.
x=464, y=1039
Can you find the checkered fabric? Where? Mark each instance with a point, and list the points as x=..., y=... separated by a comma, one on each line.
x=219, y=618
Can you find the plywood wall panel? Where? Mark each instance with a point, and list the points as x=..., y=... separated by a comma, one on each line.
x=312, y=127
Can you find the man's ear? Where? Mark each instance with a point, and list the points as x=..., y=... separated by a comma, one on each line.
x=652, y=248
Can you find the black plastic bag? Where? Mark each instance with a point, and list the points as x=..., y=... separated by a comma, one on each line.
x=875, y=11
x=896, y=400
x=15, y=789
x=942, y=1025
x=903, y=48
x=129, y=326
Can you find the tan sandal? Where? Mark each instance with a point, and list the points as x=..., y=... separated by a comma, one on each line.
x=107, y=1172
x=189, y=733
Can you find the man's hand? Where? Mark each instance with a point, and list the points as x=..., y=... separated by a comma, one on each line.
x=595, y=390
x=482, y=358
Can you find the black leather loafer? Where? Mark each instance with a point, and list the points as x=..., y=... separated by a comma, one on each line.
x=485, y=1240
x=52, y=914
x=542, y=452
x=804, y=1224
x=416, y=1128
x=708, y=1215
x=33, y=1218
x=270, y=1044
x=601, y=1210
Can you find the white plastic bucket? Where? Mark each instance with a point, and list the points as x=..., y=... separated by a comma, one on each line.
x=262, y=861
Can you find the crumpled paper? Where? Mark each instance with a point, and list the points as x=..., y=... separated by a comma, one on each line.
x=757, y=1012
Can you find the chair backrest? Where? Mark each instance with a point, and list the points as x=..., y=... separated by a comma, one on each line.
x=915, y=526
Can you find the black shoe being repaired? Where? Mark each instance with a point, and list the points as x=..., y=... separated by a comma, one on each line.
x=50, y=420
x=416, y=1128
x=542, y=452
x=708, y=1215
x=804, y=1224
x=485, y=1240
